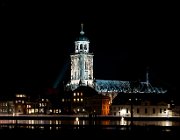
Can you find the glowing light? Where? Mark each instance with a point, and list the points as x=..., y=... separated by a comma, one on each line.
x=123, y=112
x=77, y=119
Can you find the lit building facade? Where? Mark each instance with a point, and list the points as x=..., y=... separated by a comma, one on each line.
x=81, y=63
x=85, y=100
x=6, y=107
x=20, y=103
x=144, y=105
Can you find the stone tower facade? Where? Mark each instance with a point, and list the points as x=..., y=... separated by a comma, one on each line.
x=81, y=63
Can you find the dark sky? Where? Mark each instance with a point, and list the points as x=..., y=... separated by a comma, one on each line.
x=126, y=38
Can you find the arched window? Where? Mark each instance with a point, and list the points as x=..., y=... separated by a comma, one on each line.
x=85, y=47
x=81, y=46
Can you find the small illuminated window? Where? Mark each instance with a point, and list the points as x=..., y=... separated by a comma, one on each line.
x=28, y=106
x=59, y=110
x=74, y=100
x=63, y=100
x=81, y=99
x=78, y=99
x=32, y=110
x=78, y=94
x=81, y=94
x=74, y=94
x=4, y=104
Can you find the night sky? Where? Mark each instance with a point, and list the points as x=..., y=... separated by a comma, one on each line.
x=38, y=37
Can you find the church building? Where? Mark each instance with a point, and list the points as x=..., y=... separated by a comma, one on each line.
x=82, y=74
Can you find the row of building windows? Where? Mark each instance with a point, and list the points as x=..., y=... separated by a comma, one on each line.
x=78, y=94
x=20, y=101
x=20, y=95
x=4, y=104
x=5, y=110
x=78, y=100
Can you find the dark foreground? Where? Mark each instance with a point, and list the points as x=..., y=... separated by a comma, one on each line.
x=92, y=132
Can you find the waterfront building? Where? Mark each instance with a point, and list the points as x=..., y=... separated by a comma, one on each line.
x=144, y=105
x=85, y=100
x=20, y=103
x=6, y=107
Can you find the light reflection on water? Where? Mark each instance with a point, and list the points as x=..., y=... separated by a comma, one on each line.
x=77, y=121
x=57, y=124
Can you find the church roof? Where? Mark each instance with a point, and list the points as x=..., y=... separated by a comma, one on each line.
x=117, y=86
x=82, y=38
x=126, y=87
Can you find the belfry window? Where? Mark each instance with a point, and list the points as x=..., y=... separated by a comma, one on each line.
x=85, y=47
x=81, y=46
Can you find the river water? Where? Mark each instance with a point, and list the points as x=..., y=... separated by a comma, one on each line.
x=78, y=128
x=84, y=122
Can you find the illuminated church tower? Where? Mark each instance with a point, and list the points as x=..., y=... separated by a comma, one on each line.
x=81, y=63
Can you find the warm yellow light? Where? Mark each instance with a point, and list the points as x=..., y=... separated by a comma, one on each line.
x=77, y=119
x=123, y=112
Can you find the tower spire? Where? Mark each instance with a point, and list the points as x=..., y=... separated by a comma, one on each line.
x=147, y=75
x=82, y=32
